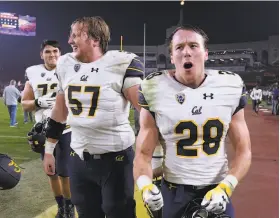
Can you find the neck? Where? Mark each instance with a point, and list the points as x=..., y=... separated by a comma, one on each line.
x=90, y=56
x=192, y=84
x=49, y=67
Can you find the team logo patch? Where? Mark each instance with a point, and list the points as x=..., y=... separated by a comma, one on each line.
x=180, y=97
x=43, y=74
x=77, y=67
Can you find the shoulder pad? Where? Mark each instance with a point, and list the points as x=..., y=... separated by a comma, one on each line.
x=32, y=69
x=121, y=56
x=233, y=79
x=64, y=58
x=154, y=74
x=150, y=83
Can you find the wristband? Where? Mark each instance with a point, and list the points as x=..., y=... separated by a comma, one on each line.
x=143, y=181
x=49, y=147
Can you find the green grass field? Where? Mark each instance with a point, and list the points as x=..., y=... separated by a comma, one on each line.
x=13, y=140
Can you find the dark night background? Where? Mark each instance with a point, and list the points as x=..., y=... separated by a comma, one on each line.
x=224, y=22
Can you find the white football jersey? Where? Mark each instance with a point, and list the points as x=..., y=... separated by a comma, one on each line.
x=98, y=111
x=43, y=82
x=193, y=123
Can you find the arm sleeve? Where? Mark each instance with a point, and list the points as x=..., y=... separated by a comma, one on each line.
x=134, y=74
x=242, y=101
x=142, y=101
x=58, y=75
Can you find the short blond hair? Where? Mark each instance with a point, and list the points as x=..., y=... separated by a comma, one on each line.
x=97, y=28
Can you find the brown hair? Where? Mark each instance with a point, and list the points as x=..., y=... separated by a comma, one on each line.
x=98, y=29
x=191, y=28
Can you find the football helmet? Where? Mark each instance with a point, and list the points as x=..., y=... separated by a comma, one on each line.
x=195, y=210
x=10, y=172
x=37, y=136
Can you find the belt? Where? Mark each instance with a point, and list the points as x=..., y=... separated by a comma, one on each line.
x=109, y=155
x=190, y=187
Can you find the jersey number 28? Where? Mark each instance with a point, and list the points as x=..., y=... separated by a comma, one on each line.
x=211, y=142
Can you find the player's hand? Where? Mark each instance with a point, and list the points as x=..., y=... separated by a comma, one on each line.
x=49, y=164
x=45, y=102
x=216, y=200
x=152, y=197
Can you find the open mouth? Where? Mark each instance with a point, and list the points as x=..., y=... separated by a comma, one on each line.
x=188, y=65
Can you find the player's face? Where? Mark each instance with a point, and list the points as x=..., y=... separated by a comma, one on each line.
x=50, y=55
x=188, y=54
x=79, y=40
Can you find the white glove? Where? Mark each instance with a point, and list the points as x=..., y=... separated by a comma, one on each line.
x=151, y=195
x=216, y=200
x=46, y=101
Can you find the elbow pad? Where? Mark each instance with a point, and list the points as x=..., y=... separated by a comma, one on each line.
x=54, y=129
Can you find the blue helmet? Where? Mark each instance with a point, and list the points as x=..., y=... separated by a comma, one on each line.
x=10, y=172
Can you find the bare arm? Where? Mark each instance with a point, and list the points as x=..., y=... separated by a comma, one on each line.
x=240, y=139
x=131, y=94
x=146, y=143
x=28, y=98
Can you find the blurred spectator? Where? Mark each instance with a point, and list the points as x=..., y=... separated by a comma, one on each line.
x=256, y=96
x=10, y=96
x=26, y=114
x=275, y=100
x=265, y=94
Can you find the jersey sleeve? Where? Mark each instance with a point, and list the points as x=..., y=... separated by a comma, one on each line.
x=58, y=74
x=134, y=73
x=242, y=101
x=28, y=75
x=142, y=101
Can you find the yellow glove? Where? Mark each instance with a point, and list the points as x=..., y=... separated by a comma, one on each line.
x=151, y=195
x=216, y=199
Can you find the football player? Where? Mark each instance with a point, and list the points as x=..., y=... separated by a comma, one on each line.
x=95, y=88
x=194, y=115
x=38, y=95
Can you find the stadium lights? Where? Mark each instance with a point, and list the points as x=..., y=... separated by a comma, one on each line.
x=182, y=2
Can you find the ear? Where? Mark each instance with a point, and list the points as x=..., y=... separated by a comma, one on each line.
x=206, y=55
x=171, y=59
x=41, y=55
x=95, y=43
